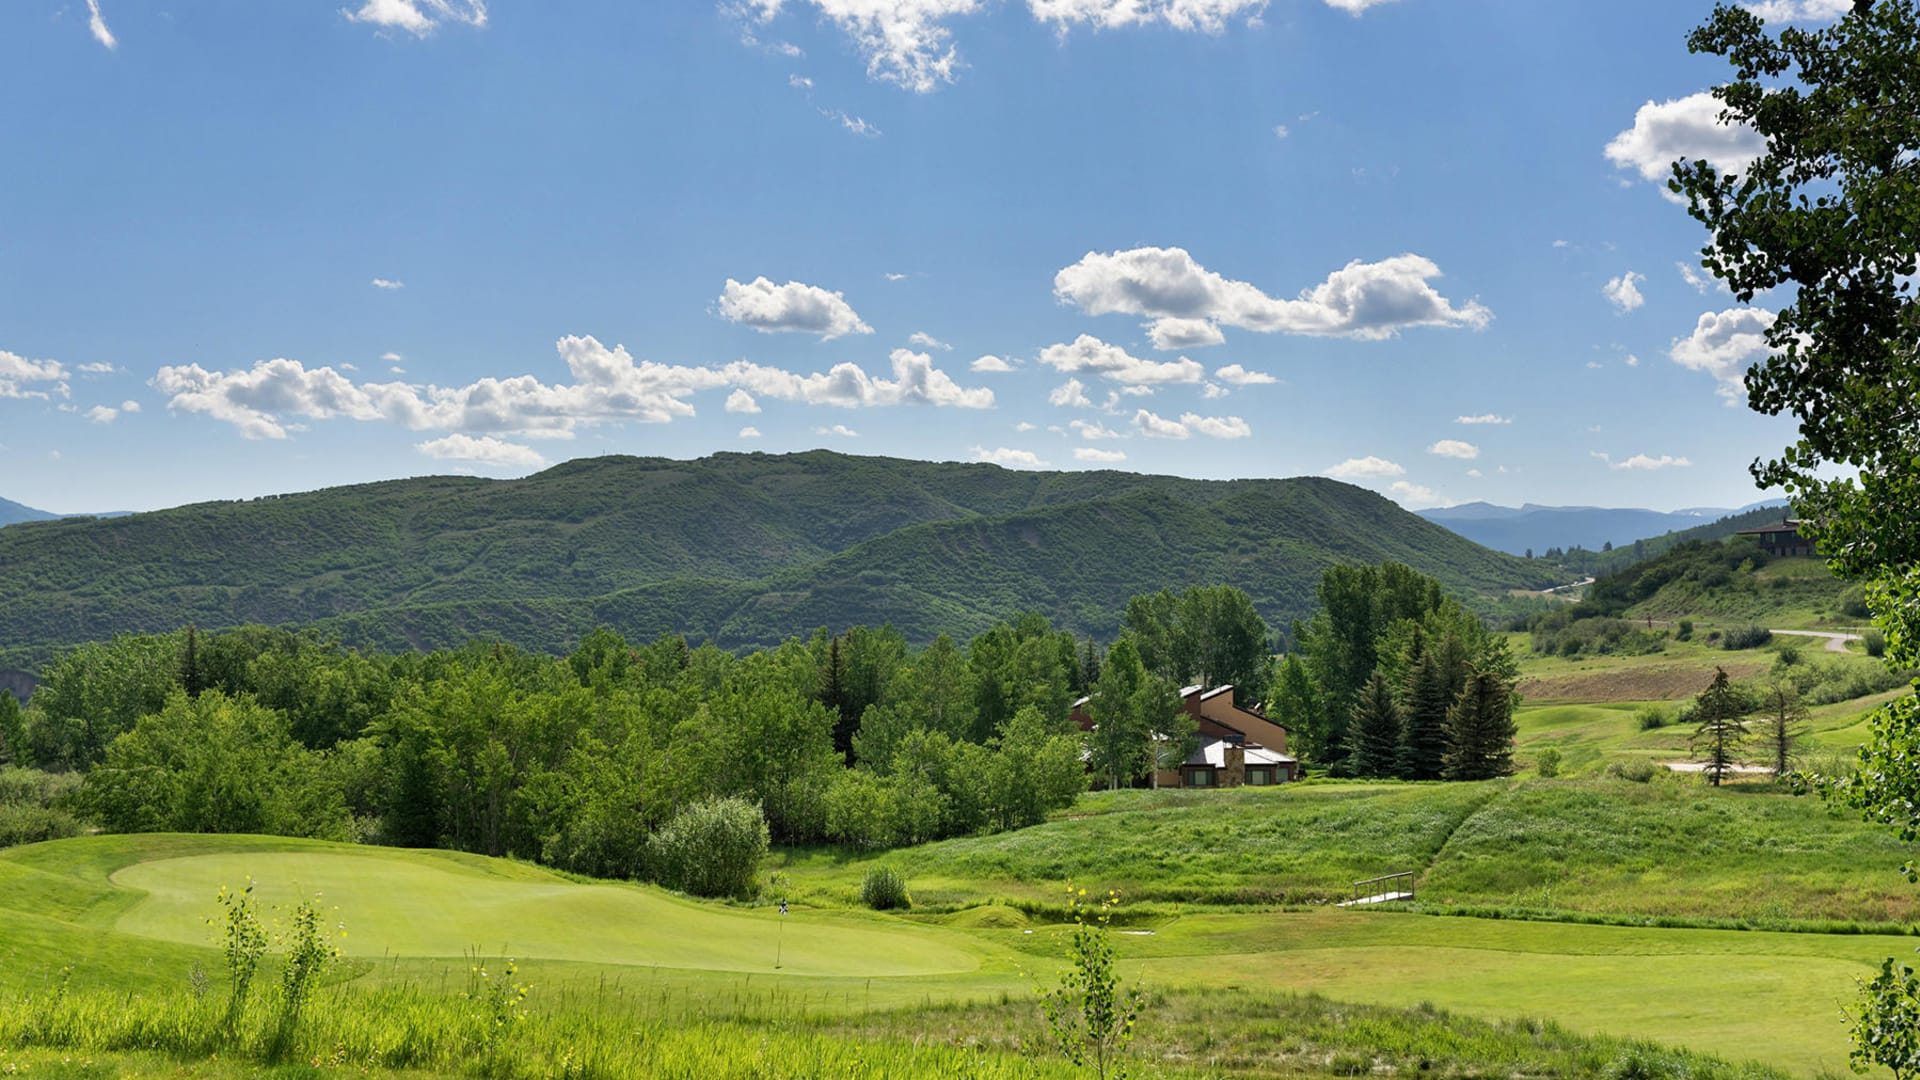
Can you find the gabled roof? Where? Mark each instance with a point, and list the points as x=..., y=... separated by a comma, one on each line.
x=1214, y=752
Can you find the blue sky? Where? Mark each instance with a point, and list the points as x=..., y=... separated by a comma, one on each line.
x=250, y=248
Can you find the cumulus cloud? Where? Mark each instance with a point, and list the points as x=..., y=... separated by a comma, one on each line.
x=1700, y=282
x=991, y=365
x=1724, y=344
x=1206, y=16
x=1643, y=462
x=742, y=402
x=1454, y=448
x=609, y=385
x=1070, y=394
x=790, y=308
x=1159, y=427
x=1170, y=334
x=1212, y=391
x=1089, y=354
x=1416, y=497
x=1688, y=129
x=1097, y=455
x=1008, y=458
x=24, y=378
x=1093, y=430
x=485, y=450
x=1483, y=418
x=1217, y=427
x=1365, y=468
x=837, y=430
x=103, y=414
x=1800, y=10
x=418, y=17
x=97, y=369
x=388, y=284
x=1361, y=300
x=928, y=341
x=1623, y=292
x=1239, y=376
x=1356, y=7
x=97, y=25
x=749, y=432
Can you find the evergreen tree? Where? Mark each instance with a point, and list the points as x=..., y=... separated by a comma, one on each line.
x=13, y=730
x=1480, y=728
x=1425, y=698
x=191, y=679
x=1376, y=730
x=834, y=695
x=1784, y=724
x=1718, y=711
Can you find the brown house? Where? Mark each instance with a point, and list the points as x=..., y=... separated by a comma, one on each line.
x=1238, y=746
x=1782, y=540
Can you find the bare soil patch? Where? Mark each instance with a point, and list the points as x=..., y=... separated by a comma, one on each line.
x=1641, y=683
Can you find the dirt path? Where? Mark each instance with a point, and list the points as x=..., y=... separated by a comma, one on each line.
x=1835, y=642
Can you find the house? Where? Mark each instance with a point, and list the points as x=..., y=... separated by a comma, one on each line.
x=1238, y=746
x=1782, y=540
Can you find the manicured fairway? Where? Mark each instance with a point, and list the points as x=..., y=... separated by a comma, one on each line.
x=429, y=907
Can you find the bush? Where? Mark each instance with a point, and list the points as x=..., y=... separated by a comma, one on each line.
x=712, y=848
x=884, y=889
x=1876, y=643
x=1637, y=770
x=1788, y=655
x=1746, y=637
x=1547, y=764
x=1651, y=717
x=1685, y=631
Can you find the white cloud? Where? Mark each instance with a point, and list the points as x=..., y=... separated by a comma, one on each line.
x=1800, y=10
x=1281, y=131
x=742, y=402
x=17, y=374
x=1025, y=426
x=485, y=450
x=1097, y=455
x=419, y=17
x=1240, y=376
x=1093, y=430
x=857, y=125
x=608, y=386
x=991, y=365
x=1206, y=16
x=103, y=414
x=799, y=82
x=1643, y=462
x=1008, y=458
x=1475, y=473
x=391, y=357
x=928, y=341
x=130, y=406
x=1359, y=468
x=749, y=432
x=1217, y=427
x=790, y=308
x=97, y=25
x=1632, y=360
x=1563, y=243
x=1623, y=292
x=1689, y=129
x=1213, y=391
x=97, y=369
x=1700, y=282
x=1158, y=427
x=1355, y=7
x=388, y=284
x=1170, y=334
x=905, y=42
x=838, y=430
x=1070, y=394
x=896, y=277
x=1361, y=300
x=1090, y=354
x=1724, y=344
x=1483, y=418
x=1416, y=497
x=1454, y=448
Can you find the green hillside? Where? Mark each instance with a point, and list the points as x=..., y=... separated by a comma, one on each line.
x=742, y=548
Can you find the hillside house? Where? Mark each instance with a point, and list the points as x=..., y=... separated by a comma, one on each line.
x=1237, y=745
x=1782, y=540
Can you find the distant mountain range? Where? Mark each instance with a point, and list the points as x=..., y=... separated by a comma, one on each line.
x=742, y=549
x=11, y=512
x=1516, y=530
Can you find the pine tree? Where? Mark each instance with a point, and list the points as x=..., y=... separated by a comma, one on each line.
x=833, y=694
x=1376, y=728
x=1718, y=710
x=1480, y=729
x=1784, y=724
x=13, y=730
x=191, y=679
x=1425, y=700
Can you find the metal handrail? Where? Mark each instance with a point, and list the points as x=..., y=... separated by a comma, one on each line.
x=1408, y=874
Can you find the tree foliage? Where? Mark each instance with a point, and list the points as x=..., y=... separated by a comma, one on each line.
x=1720, y=729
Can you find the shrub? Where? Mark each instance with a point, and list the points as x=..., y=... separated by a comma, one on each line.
x=1854, y=603
x=1746, y=637
x=1876, y=643
x=1547, y=764
x=1651, y=717
x=712, y=848
x=1789, y=655
x=1637, y=770
x=1685, y=630
x=884, y=889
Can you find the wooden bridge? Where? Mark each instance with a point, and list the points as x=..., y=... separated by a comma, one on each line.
x=1381, y=890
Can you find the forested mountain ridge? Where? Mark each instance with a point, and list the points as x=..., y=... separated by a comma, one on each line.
x=740, y=548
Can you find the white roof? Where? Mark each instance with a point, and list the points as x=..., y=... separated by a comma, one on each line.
x=1214, y=752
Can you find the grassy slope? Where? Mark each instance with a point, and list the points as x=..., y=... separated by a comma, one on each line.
x=745, y=548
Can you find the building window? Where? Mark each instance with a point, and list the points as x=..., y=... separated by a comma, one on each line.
x=1200, y=778
x=1259, y=777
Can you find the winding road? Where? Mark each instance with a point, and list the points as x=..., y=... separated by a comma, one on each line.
x=1835, y=642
